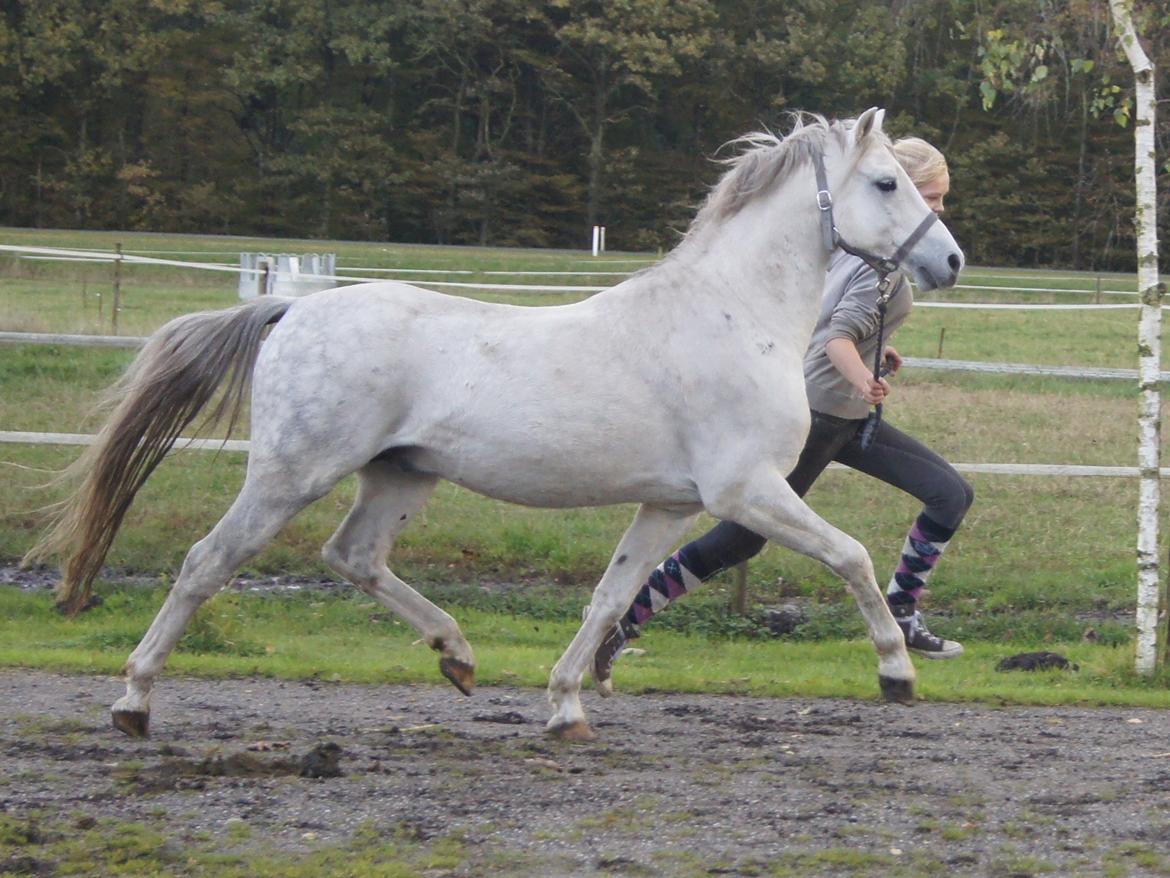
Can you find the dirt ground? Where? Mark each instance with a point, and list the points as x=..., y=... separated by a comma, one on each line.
x=678, y=784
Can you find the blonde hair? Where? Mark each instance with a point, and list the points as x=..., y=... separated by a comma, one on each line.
x=922, y=161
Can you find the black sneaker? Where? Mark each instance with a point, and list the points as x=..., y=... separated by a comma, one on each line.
x=919, y=640
x=615, y=640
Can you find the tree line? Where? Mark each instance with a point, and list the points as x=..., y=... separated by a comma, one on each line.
x=508, y=122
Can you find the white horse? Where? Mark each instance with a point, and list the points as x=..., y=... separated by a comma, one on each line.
x=680, y=389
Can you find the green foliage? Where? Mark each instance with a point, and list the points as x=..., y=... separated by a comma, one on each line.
x=506, y=122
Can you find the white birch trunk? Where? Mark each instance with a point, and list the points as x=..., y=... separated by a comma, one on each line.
x=1149, y=340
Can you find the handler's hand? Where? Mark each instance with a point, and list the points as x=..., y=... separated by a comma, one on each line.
x=892, y=360
x=873, y=391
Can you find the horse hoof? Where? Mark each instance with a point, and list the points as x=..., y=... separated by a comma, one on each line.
x=134, y=723
x=604, y=687
x=578, y=730
x=897, y=691
x=461, y=674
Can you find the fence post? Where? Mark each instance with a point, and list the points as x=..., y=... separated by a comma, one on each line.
x=739, y=593
x=262, y=278
x=117, y=286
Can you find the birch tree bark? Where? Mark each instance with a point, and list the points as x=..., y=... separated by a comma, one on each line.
x=1149, y=338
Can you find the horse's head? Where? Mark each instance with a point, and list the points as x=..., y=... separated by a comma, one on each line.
x=878, y=211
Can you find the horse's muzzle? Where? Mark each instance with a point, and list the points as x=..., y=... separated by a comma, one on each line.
x=940, y=278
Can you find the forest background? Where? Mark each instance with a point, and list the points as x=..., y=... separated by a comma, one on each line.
x=509, y=122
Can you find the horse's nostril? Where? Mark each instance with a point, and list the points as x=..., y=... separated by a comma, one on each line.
x=954, y=262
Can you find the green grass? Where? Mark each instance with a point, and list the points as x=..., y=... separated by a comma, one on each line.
x=1046, y=338
x=349, y=638
x=79, y=845
x=44, y=844
x=77, y=297
x=1038, y=559
x=1042, y=574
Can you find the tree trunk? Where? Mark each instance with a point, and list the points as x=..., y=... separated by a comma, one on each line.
x=457, y=114
x=1149, y=339
x=597, y=149
x=39, y=189
x=1079, y=198
x=596, y=157
x=326, y=208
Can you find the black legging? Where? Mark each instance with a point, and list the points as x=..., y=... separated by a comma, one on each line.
x=894, y=458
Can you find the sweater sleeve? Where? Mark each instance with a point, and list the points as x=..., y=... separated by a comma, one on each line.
x=855, y=316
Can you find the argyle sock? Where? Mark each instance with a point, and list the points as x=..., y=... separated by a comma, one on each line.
x=924, y=546
x=669, y=581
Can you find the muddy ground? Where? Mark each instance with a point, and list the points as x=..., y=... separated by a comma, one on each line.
x=677, y=785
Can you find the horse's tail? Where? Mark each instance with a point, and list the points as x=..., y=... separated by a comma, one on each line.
x=178, y=372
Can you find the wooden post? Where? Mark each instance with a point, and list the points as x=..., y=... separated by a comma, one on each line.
x=739, y=593
x=262, y=279
x=942, y=333
x=117, y=286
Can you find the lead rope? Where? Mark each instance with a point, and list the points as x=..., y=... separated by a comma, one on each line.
x=874, y=419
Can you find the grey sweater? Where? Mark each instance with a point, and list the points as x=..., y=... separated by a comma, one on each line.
x=849, y=310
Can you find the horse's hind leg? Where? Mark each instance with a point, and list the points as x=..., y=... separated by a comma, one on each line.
x=255, y=517
x=769, y=506
x=386, y=499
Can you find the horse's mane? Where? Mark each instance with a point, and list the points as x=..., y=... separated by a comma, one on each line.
x=763, y=160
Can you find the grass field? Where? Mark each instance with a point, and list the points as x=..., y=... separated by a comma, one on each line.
x=1039, y=560
x=346, y=638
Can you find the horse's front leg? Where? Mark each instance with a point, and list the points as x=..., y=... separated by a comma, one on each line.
x=766, y=504
x=653, y=533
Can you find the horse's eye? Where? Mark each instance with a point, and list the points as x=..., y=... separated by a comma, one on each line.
x=887, y=185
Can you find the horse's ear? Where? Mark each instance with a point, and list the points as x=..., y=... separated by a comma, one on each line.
x=867, y=123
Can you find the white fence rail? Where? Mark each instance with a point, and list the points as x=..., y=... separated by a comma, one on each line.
x=250, y=273
x=1092, y=373
x=999, y=469
x=235, y=445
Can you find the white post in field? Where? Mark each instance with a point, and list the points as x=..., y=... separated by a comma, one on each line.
x=596, y=239
x=603, y=239
x=1149, y=339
